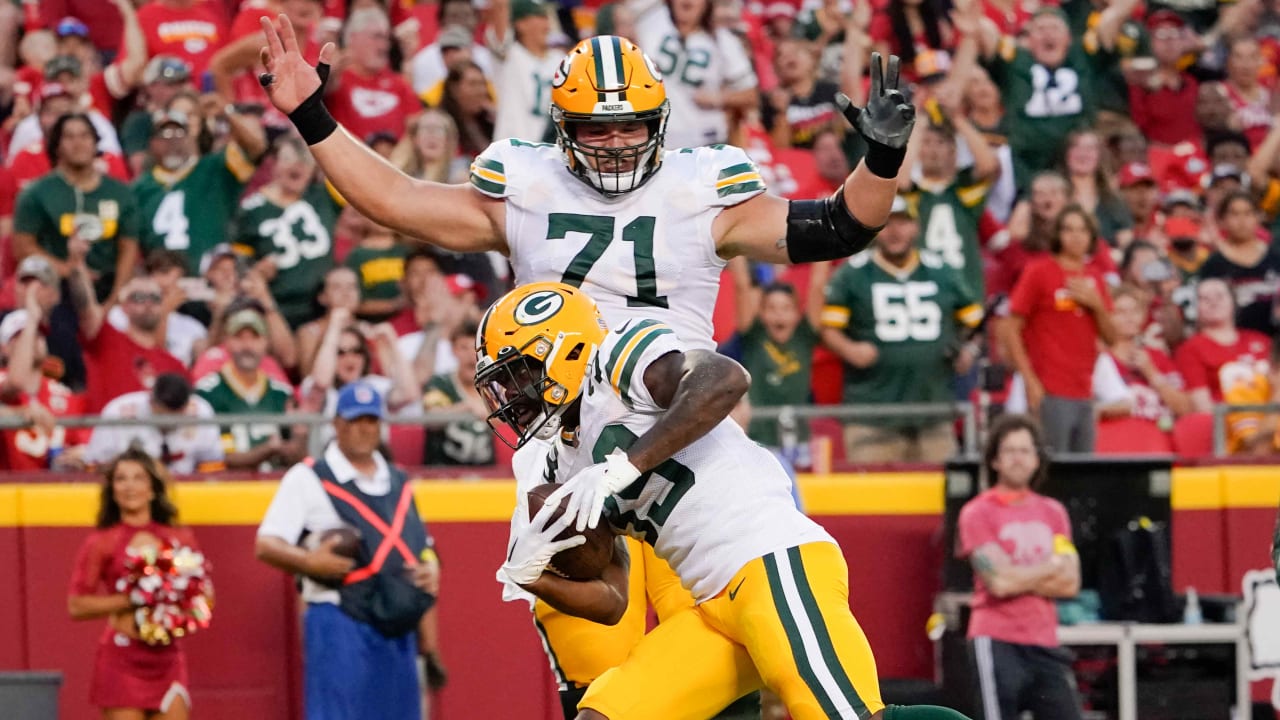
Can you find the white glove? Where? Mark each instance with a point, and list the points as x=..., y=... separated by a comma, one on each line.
x=588, y=489
x=535, y=544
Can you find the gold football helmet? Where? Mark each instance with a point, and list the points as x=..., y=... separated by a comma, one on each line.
x=608, y=79
x=534, y=348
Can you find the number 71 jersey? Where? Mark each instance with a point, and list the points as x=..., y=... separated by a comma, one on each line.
x=711, y=508
x=648, y=253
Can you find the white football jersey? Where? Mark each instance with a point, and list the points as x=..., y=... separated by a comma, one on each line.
x=647, y=253
x=716, y=505
x=702, y=61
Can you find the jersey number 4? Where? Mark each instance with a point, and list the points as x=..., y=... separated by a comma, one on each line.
x=600, y=228
x=645, y=504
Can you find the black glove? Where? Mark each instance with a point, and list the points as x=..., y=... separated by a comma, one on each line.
x=886, y=122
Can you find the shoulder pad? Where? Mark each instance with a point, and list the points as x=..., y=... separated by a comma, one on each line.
x=498, y=169
x=727, y=174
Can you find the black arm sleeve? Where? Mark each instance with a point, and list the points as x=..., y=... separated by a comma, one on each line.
x=825, y=230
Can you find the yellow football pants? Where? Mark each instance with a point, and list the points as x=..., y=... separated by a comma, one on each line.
x=580, y=650
x=783, y=621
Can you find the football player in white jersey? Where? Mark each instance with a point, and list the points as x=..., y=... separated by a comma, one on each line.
x=706, y=70
x=645, y=229
x=645, y=435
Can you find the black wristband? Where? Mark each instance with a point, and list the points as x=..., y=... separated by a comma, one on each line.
x=884, y=161
x=312, y=118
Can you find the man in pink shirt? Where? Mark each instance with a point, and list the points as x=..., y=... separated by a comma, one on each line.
x=1019, y=543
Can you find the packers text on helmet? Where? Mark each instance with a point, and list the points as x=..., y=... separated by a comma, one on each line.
x=607, y=79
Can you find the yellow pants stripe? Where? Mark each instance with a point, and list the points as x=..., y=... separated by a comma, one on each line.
x=811, y=646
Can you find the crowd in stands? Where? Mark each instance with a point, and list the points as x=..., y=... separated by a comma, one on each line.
x=1084, y=227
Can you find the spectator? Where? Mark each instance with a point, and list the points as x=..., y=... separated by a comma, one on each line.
x=1219, y=353
x=1141, y=198
x=106, y=26
x=135, y=513
x=429, y=149
x=107, y=89
x=1153, y=380
x=830, y=161
x=65, y=361
x=461, y=442
x=913, y=31
x=1186, y=232
x=708, y=72
x=422, y=276
x=1161, y=290
x=344, y=357
x=79, y=202
x=164, y=77
x=31, y=162
x=182, y=450
x=1019, y=543
x=526, y=65
x=242, y=386
x=897, y=317
x=802, y=105
x=286, y=229
x=379, y=263
x=1158, y=100
x=67, y=72
x=1058, y=311
x=1250, y=100
x=367, y=96
x=458, y=23
x=950, y=199
x=282, y=348
x=1255, y=433
x=341, y=290
x=984, y=108
x=117, y=361
x=25, y=389
x=184, y=337
x=1091, y=187
x=468, y=101
x=234, y=68
x=776, y=339
x=1031, y=229
x=191, y=30
x=1050, y=86
x=1248, y=263
x=384, y=598
x=188, y=198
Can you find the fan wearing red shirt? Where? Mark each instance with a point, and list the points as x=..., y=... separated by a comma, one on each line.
x=117, y=362
x=1159, y=100
x=369, y=97
x=235, y=66
x=188, y=29
x=110, y=86
x=103, y=19
x=26, y=390
x=1219, y=353
x=1057, y=312
x=1154, y=381
x=1019, y=543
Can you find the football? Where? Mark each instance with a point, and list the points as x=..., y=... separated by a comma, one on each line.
x=588, y=560
x=348, y=544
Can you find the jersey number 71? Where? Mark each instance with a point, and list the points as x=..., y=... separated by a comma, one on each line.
x=638, y=232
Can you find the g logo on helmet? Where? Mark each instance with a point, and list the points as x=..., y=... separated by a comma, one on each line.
x=538, y=307
x=653, y=69
x=562, y=71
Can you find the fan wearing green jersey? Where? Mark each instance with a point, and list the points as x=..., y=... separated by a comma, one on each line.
x=187, y=199
x=895, y=315
x=286, y=227
x=242, y=386
x=950, y=200
x=461, y=442
x=1052, y=85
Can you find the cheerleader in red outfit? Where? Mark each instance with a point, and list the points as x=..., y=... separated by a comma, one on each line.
x=131, y=679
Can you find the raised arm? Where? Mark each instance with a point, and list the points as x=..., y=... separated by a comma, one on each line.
x=88, y=311
x=134, y=60
x=1111, y=20
x=454, y=217
x=772, y=229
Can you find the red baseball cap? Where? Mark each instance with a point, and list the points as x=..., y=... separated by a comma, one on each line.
x=459, y=283
x=1165, y=18
x=1134, y=173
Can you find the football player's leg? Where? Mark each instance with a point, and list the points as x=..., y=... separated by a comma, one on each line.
x=668, y=597
x=684, y=669
x=579, y=650
x=791, y=610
